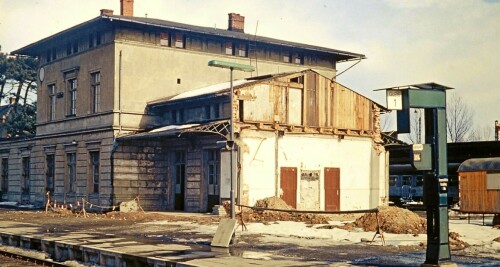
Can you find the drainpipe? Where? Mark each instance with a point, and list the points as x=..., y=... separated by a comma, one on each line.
x=276, y=168
x=120, y=94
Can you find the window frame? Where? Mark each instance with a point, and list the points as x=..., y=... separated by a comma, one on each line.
x=52, y=90
x=70, y=181
x=95, y=171
x=25, y=175
x=72, y=86
x=5, y=174
x=95, y=92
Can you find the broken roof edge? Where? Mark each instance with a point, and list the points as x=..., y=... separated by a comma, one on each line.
x=171, y=130
x=197, y=94
x=216, y=89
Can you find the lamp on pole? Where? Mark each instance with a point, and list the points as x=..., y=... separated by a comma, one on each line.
x=230, y=143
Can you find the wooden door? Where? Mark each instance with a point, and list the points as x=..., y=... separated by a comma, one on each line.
x=288, y=180
x=179, y=179
x=332, y=189
x=212, y=174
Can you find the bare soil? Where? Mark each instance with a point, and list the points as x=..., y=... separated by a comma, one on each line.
x=393, y=220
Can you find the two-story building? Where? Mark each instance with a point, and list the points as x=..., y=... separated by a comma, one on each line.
x=299, y=135
x=96, y=79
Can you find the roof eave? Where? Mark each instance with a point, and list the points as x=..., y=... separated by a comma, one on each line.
x=30, y=50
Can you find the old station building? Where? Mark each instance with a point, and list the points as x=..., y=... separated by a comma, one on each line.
x=107, y=81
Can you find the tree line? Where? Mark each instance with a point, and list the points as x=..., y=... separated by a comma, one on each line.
x=18, y=76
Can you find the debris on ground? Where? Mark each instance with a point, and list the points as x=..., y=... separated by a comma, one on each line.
x=129, y=206
x=273, y=203
x=393, y=220
x=455, y=242
x=497, y=239
x=266, y=216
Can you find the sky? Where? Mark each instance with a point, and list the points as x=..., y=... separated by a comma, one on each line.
x=454, y=43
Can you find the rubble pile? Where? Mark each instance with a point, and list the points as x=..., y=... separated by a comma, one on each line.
x=455, y=242
x=267, y=216
x=393, y=220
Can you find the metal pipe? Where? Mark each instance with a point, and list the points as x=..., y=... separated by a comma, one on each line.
x=231, y=141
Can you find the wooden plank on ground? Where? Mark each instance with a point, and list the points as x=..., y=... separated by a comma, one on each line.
x=224, y=233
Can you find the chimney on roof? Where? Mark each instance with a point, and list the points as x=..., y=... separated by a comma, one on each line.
x=127, y=8
x=106, y=12
x=236, y=23
x=12, y=100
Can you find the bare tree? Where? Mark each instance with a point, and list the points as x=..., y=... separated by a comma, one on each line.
x=459, y=119
x=484, y=133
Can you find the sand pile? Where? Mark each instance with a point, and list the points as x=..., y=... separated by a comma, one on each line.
x=273, y=203
x=267, y=216
x=393, y=220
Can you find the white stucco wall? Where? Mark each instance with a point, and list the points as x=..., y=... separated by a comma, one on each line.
x=362, y=172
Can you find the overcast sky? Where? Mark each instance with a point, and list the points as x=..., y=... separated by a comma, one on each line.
x=455, y=43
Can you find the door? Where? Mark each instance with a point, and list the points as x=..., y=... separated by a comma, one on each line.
x=332, y=189
x=212, y=174
x=49, y=179
x=288, y=181
x=179, y=179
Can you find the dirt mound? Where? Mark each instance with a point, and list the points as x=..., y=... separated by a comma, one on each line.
x=266, y=216
x=272, y=216
x=455, y=242
x=273, y=203
x=393, y=220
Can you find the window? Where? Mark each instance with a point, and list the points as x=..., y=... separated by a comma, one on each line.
x=5, y=175
x=213, y=162
x=50, y=174
x=229, y=48
x=94, y=172
x=179, y=40
x=177, y=116
x=298, y=58
x=52, y=102
x=70, y=172
x=72, y=85
x=164, y=39
x=91, y=40
x=180, y=170
x=26, y=175
x=95, y=88
x=419, y=181
x=393, y=180
x=69, y=51
x=286, y=57
x=242, y=50
x=98, y=38
x=406, y=180
x=75, y=47
x=212, y=111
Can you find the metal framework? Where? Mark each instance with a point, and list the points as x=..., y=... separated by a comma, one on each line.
x=219, y=127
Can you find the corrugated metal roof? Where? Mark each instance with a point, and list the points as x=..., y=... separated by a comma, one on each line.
x=480, y=164
x=340, y=55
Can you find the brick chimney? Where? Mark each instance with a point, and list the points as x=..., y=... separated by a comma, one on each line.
x=127, y=8
x=106, y=12
x=236, y=23
x=12, y=100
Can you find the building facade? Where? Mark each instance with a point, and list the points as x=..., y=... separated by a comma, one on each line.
x=96, y=80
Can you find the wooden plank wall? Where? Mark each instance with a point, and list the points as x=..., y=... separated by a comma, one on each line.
x=473, y=194
x=322, y=103
x=350, y=110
